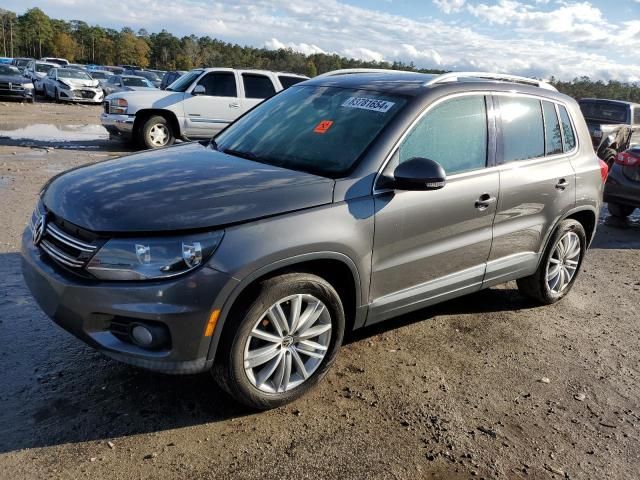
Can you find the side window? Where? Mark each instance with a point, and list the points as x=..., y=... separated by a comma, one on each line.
x=453, y=134
x=567, y=130
x=287, y=81
x=552, y=135
x=257, y=86
x=522, y=128
x=219, y=84
x=636, y=115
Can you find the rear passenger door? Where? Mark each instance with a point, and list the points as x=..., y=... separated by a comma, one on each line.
x=208, y=113
x=433, y=245
x=537, y=182
x=256, y=88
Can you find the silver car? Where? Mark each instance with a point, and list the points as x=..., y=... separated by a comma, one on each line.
x=37, y=71
x=126, y=83
x=342, y=201
x=71, y=85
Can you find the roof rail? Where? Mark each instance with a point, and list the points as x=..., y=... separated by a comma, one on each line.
x=505, y=77
x=349, y=71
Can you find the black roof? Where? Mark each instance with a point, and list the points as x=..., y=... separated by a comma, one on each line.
x=607, y=100
x=406, y=83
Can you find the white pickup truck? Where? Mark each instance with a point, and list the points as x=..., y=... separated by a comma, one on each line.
x=197, y=105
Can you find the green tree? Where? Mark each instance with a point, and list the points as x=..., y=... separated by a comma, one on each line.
x=36, y=30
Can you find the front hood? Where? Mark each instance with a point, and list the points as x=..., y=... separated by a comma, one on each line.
x=179, y=188
x=77, y=83
x=141, y=89
x=14, y=79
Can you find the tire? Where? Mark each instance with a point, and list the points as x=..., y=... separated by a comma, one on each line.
x=238, y=342
x=56, y=96
x=538, y=286
x=620, y=211
x=156, y=132
x=609, y=157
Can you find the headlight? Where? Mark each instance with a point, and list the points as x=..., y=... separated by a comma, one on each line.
x=118, y=105
x=28, y=86
x=152, y=258
x=64, y=85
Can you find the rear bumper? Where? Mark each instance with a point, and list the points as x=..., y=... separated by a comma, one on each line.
x=91, y=310
x=620, y=189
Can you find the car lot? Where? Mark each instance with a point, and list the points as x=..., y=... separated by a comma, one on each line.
x=453, y=391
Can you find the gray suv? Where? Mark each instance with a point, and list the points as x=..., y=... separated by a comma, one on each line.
x=340, y=202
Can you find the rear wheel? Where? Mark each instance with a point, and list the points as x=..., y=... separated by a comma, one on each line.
x=620, y=211
x=283, y=343
x=559, y=266
x=156, y=132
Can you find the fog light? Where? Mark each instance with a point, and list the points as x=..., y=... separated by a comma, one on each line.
x=142, y=336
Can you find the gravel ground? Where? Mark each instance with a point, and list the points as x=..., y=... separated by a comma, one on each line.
x=489, y=386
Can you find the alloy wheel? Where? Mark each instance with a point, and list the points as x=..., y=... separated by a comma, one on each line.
x=287, y=344
x=159, y=135
x=563, y=263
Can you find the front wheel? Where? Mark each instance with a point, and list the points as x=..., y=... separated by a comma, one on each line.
x=559, y=266
x=283, y=343
x=156, y=133
x=620, y=211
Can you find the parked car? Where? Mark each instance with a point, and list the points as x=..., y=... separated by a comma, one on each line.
x=170, y=77
x=37, y=71
x=614, y=126
x=72, y=85
x=622, y=190
x=198, y=105
x=5, y=60
x=126, y=83
x=102, y=76
x=114, y=70
x=149, y=75
x=61, y=62
x=252, y=254
x=13, y=84
x=21, y=63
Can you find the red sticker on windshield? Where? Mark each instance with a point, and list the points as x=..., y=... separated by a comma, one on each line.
x=323, y=126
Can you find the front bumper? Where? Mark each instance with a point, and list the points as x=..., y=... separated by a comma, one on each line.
x=620, y=189
x=87, y=94
x=15, y=93
x=120, y=125
x=89, y=309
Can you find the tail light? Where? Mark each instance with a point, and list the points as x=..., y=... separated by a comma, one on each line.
x=627, y=159
x=604, y=170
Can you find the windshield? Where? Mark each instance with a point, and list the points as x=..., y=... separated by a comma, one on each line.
x=75, y=74
x=321, y=130
x=21, y=62
x=43, y=67
x=181, y=84
x=9, y=70
x=605, y=111
x=149, y=76
x=100, y=75
x=136, y=82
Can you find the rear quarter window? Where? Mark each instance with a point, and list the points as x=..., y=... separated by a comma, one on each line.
x=567, y=130
x=257, y=86
x=552, y=132
x=522, y=128
x=287, y=81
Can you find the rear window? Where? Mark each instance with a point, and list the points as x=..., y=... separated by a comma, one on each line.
x=552, y=134
x=567, y=130
x=522, y=128
x=257, y=86
x=288, y=81
x=605, y=111
x=43, y=67
x=321, y=130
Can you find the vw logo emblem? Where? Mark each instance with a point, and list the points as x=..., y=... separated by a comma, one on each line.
x=39, y=229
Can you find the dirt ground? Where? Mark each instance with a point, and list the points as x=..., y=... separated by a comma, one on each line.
x=450, y=392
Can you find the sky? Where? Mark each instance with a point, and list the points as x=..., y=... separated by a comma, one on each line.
x=564, y=38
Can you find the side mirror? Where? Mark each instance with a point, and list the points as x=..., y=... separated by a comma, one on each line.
x=199, y=90
x=419, y=174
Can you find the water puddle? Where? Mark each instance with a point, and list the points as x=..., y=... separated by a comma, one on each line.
x=47, y=133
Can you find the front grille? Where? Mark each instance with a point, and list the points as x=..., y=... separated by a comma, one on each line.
x=88, y=94
x=11, y=87
x=59, y=243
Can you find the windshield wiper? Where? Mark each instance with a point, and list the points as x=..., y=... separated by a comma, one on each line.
x=240, y=153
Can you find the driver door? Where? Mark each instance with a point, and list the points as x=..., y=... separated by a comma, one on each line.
x=208, y=113
x=434, y=245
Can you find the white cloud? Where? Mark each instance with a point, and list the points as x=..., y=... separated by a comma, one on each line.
x=449, y=6
x=563, y=38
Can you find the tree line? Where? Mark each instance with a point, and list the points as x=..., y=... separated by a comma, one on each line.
x=35, y=34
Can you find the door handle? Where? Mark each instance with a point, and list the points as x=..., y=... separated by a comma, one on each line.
x=234, y=105
x=562, y=184
x=485, y=201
